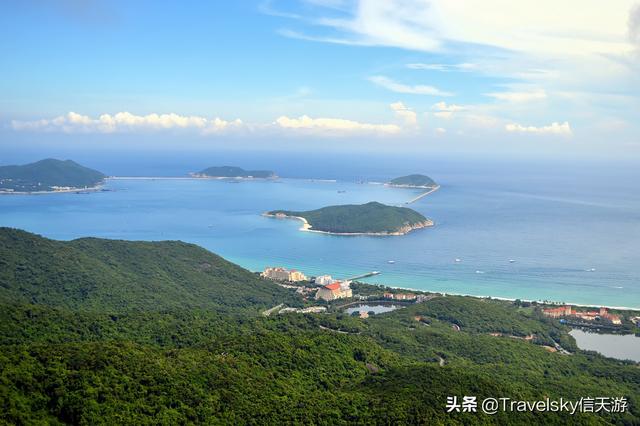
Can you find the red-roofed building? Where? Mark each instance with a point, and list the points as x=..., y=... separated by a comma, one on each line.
x=568, y=311
x=333, y=291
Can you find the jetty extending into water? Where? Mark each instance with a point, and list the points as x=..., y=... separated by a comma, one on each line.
x=368, y=274
x=424, y=194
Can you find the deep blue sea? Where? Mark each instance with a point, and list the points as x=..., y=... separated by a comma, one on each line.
x=572, y=228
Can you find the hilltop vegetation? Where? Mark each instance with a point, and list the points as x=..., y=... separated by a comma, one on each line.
x=414, y=181
x=235, y=172
x=114, y=332
x=369, y=218
x=97, y=274
x=46, y=175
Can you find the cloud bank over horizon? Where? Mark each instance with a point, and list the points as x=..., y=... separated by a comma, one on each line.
x=126, y=122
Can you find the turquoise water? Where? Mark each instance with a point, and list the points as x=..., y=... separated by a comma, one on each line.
x=571, y=239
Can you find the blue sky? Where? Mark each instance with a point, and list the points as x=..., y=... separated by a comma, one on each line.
x=534, y=77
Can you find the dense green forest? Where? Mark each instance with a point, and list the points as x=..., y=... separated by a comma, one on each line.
x=46, y=174
x=372, y=217
x=114, y=332
x=421, y=181
x=232, y=172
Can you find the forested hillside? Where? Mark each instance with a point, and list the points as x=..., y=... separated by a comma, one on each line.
x=114, y=332
x=46, y=175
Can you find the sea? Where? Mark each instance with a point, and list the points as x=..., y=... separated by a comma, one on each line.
x=565, y=230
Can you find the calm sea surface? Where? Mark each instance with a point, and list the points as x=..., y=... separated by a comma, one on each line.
x=611, y=345
x=573, y=233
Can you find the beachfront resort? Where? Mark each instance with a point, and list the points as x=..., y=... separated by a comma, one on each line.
x=279, y=273
x=568, y=311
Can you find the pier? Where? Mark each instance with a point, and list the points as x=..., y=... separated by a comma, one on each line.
x=367, y=275
x=424, y=194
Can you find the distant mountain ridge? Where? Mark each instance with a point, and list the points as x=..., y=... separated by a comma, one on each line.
x=414, y=181
x=235, y=172
x=371, y=218
x=48, y=175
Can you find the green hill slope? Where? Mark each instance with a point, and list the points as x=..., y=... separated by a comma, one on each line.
x=234, y=172
x=369, y=218
x=97, y=274
x=46, y=174
x=416, y=180
x=115, y=332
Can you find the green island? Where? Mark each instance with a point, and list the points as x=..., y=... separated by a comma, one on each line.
x=372, y=218
x=97, y=331
x=234, y=172
x=413, y=181
x=48, y=175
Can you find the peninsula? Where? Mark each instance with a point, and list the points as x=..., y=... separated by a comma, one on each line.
x=372, y=218
x=413, y=181
x=48, y=175
x=221, y=172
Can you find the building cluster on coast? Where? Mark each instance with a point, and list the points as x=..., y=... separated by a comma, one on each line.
x=279, y=273
x=326, y=287
x=406, y=297
x=569, y=312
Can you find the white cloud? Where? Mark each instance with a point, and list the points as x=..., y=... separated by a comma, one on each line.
x=634, y=29
x=463, y=67
x=534, y=95
x=335, y=126
x=568, y=45
x=125, y=122
x=407, y=116
x=341, y=126
x=555, y=128
x=582, y=27
x=444, y=110
x=394, y=86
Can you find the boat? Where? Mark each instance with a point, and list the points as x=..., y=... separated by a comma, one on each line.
x=458, y=260
x=391, y=261
x=479, y=272
x=511, y=261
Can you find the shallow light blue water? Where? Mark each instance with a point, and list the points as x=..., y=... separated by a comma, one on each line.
x=556, y=225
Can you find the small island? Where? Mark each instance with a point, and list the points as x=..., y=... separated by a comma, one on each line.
x=365, y=219
x=413, y=181
x=232, y=172
x=47, y=176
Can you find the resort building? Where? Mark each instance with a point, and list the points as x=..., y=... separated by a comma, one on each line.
x=335, y=290
x=400, y=296
x=282, y=274
x=568, y=311
x=564, y=311
x=324, y=280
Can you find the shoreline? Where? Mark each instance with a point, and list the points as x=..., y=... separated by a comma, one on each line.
x=306, y=227
x=504, y=299
x=199, y=176
x=510, y=299
x=61, y=191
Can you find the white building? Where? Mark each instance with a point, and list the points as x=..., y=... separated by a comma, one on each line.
x=324, y=280
x=282, y=274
